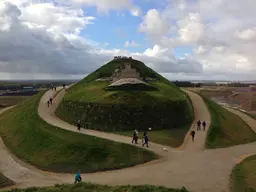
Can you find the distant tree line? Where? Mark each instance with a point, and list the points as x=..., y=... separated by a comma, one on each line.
x=186, y=84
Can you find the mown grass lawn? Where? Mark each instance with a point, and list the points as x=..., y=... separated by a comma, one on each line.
x=243, y=177
x=54, y=149
x=173, y=137
x=226, y=129
x=87, y=187
x=4, y=181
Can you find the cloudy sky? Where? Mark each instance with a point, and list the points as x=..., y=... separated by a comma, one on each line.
x=181, y=39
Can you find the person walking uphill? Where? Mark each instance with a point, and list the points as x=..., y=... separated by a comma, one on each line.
x=198, y=125
x=78, y=125
x=135, y=136
x=204, y=125
x=50, y=100
x=193, y=133
x=78, y=177
x=145, y=139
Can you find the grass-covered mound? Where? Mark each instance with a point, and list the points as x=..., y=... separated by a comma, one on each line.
x=32, y=139
x=226, y=129
x=4, y=181
x=243, y=176
x=164, y=106
x=87, y=187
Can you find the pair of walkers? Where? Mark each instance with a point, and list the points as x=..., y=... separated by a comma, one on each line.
x=135, y=138
x=49, y=102
x=199, y=123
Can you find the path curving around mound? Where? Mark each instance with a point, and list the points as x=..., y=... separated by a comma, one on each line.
x=197, y=169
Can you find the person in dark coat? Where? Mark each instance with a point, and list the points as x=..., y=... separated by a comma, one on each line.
x=204, y=125
x=198, y=125
x=135, y=137
x=48, y=103
x=145, y=139
x=193, y=133
x=78, y=125
x=50, y=100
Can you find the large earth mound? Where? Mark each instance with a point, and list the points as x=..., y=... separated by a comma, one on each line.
x=125, y=94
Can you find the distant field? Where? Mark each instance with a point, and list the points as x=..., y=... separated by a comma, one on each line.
x=87, y=187
x=4, y=181
x=243, y=178
x=172, y=137
x=6, y=101
x=226, y=129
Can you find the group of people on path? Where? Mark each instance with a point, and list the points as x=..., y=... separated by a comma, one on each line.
x=199, y=123
x=49, y=102
x=135, y=138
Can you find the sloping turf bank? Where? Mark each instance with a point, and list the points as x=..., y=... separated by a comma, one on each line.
x=87, y=187
x=159, y=105
x=32, y=139
x=226, y=129
x=4, y=181
x=243, y=176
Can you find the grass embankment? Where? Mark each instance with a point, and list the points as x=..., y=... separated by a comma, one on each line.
x=32, y=139
x=244, y=176
x=4, y=181
x=87, y=187
x=226, y=129
x=6, y=101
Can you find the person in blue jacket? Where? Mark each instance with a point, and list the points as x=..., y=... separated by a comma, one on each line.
x=78, y=177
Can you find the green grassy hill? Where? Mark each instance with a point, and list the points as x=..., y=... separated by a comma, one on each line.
x=163, y=106
x=243, y=176
x=226, y=129
x=4, y=181
x=32, y=139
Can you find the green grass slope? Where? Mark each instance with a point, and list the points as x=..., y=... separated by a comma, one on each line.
x=163, y=106
x=32, y=139
x=87, y=187
x=243, y=176
x=226, y=129
x=4, y=181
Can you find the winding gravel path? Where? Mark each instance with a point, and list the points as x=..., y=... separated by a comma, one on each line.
x=192, y=166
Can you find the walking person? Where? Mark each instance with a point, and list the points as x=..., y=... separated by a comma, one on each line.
x=145, y=139
x=78, y=177
x=48, y=103
x=55, y=88
x=135, y=136
x=50, y=100
x=52, y=87
x=193, y=133
x=204, y=125
x=78, y=125
x=198, y=125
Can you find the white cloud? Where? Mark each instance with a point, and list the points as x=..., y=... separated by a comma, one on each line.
x=154, y=25
x=247, y=34
x=191, y=28
x=31, y=47
x=103, y=6
x=131, y=44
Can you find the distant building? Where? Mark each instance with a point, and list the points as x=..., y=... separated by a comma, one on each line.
x=252, y=88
